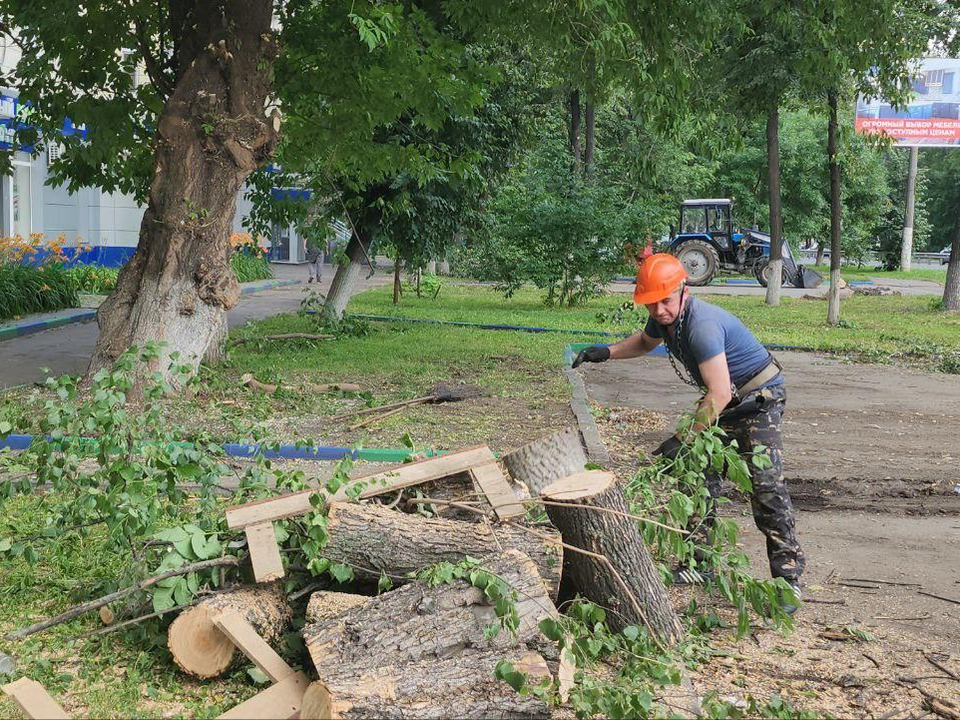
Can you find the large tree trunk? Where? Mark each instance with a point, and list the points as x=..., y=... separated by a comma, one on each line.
x=593, y=517
x=590, y=142
x=906, y=246
x=375, y=540
x=776, y=207
x=418, y=622
x=462, y=686
x=539, y=463
x=178, y=285
x=345, y=279
x=951, y=288
x=202, y=650
x=327, y=604
x=820, y=248
x=574, y=137
x=836, y=210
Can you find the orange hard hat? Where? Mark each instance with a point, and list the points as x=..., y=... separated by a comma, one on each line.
x=659, y=276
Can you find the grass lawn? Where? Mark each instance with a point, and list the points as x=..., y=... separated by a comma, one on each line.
x=877, y=329
x=850, y=272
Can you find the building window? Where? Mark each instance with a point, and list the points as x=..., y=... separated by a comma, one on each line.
x=934, y=78
x=20, y=205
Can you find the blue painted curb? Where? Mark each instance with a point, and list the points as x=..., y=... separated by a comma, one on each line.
x=15, y=330
x=286, y=452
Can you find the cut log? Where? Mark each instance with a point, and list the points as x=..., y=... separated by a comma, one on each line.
x=462, y=686
x=550, y=458
x=381, y=481
x=418, y=622
x=242, y=634
x=456, y=488
x=202, y=650
x=375, y=540
x=326, y=604
x=626, y=582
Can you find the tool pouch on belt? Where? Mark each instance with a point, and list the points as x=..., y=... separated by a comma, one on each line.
x=753, y=400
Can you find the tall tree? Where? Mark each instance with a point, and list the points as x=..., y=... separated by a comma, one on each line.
x=185, y=144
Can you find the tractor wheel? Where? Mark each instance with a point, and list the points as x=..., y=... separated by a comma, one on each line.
x=700, y=260
x=761, y=271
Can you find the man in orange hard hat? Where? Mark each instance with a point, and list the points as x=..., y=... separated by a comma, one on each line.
x=742, y=386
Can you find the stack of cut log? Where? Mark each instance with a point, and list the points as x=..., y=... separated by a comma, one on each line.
x=426, y=651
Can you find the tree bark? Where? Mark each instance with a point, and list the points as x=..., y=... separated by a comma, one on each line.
x=836, y=213
x=906, y=247
x=327, y=604
x=375, y=540
x=462, y=686
x=951, y=288
x=627, y=582
x=820, y=249
x=418, y=622
x=539, y=463
x=776, y=206
x=397, y=265
x=198, y=646
x=345, y=278
x=574, y=137
x=178, y=285
x=590, y=143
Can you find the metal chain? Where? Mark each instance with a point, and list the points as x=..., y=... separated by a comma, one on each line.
x=688, y=377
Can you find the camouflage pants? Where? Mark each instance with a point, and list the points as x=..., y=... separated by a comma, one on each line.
x=756, y=421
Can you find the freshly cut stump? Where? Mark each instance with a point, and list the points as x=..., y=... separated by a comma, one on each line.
x=629, y=585
x=539, y=463
x=202, y=650
x=375, y=540
x=462, y=686
x=418, y=622
x=326, y=604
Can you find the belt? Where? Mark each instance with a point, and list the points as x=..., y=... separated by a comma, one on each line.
x=761, y=378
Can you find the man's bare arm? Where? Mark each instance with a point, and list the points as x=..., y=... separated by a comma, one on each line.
x=716, y=376
x=634, y=346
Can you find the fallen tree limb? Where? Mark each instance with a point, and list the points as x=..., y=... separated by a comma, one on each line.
x=461, y=686
x=376, y=418
x=248, y=380
x=939, y=597
x=78, y=610
x=397, y=543
x=418, y=622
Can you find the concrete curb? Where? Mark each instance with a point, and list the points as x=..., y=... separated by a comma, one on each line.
x=11, y=331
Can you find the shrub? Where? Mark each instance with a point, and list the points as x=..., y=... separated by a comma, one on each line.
x=25, y=290
x=93, y=278
x=249, y=259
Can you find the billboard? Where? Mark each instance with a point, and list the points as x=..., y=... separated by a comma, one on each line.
x=931, y=119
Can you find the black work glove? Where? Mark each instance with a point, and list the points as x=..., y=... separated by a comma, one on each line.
x=669, y=448
x=594, y=353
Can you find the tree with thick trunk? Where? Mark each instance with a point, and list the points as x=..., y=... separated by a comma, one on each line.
x=590, y=121
x=836, y=212
x=574, y=136
x=776, y=205
x=906, y=246
x=214, y=130
x=951, y=288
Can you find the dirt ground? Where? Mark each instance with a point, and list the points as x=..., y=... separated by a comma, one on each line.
x=871, y=461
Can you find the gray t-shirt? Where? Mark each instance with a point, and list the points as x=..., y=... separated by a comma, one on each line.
x=707, y=331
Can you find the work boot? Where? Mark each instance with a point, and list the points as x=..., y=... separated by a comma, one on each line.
x=684, y=575
x=789, y=607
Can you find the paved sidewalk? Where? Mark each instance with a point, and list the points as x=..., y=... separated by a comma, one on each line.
x=67, y=349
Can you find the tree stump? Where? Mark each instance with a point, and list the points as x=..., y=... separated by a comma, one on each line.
x=550, y=458
x=417, y=621
x=462, y=686
x=375, y=540
x=627, y=582
x=202, y=650
x=326, y=604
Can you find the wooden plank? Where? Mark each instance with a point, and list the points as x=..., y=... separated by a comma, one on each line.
x=264, y=552
x=277, y=702
x=241, y=633
x=34, y=699
x=382, y=481
x=492, y=482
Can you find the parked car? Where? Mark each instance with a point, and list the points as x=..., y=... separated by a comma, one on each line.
x=945, y=255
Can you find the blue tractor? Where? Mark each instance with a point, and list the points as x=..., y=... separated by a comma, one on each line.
x=708, y=242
